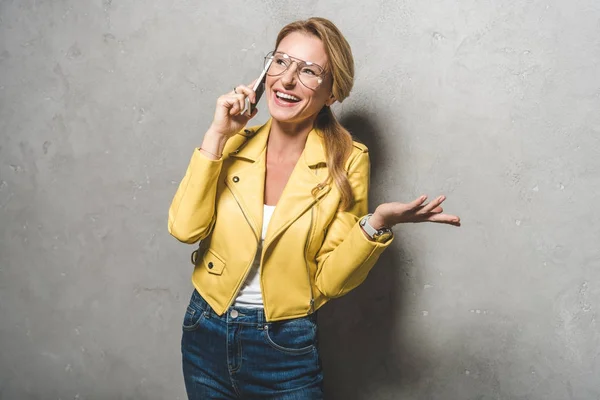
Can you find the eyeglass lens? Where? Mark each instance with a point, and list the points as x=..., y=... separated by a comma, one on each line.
x=308, y=73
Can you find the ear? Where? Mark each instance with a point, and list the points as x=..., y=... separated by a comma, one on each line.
x=330, y=100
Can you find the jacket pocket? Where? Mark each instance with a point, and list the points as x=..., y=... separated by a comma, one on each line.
x=213, y=263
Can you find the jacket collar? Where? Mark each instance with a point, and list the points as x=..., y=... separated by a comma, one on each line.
x=314, y=149
x=247, y=183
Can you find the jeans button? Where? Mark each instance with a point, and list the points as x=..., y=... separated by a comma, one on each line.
x=234, y=314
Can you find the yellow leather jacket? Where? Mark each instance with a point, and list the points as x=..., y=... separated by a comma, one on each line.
x=312, y=252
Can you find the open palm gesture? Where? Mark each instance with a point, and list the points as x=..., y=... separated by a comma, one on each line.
x=390, y=214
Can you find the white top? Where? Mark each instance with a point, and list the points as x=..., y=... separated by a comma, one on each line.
x=250, y=295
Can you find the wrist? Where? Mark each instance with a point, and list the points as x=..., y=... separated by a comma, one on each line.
x=214, y=143
x=377, y=222
x=380, y=235
x=215, y=135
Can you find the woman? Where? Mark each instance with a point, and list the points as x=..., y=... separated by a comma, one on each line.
x=281, y=210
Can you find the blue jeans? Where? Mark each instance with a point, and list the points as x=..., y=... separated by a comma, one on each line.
x=241, y=356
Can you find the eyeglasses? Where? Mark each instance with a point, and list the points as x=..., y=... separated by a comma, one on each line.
x=309, y=73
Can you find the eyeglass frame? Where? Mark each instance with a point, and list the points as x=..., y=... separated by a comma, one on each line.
x=298, y=62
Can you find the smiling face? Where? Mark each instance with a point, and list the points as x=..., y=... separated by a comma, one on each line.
x=289, y=101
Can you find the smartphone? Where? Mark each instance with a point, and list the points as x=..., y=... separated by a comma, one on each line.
x=259, y=89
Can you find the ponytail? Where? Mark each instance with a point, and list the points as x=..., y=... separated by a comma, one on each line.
x=338, y=147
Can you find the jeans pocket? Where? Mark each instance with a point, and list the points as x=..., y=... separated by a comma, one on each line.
x=297, y=336
x=192, y=319
x=194, y=314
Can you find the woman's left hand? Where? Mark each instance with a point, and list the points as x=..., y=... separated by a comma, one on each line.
x=390, y=214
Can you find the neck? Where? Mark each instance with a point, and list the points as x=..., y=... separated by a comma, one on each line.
x=287, y=140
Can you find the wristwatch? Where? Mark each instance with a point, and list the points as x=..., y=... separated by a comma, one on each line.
x=378, y=235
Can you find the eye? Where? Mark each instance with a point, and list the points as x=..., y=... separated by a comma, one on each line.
x=308, y=71
x=280, y=61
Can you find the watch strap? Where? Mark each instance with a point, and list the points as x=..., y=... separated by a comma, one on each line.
x=382, y=234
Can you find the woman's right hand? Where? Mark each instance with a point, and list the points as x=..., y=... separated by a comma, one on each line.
x=227, y=120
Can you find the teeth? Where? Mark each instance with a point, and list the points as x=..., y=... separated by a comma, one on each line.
x=287, y=96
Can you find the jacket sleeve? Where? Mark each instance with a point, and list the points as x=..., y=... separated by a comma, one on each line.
x=192, y=211
x=347, y=255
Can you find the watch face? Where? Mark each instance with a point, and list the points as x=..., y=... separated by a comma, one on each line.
x=383, y=237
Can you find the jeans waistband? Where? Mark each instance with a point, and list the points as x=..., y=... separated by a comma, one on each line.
x=240, y=315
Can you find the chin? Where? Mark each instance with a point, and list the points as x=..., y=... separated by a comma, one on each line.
x=283, y=115
x=289, y=116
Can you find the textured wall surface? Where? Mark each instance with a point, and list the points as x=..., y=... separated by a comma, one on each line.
x=494, y=103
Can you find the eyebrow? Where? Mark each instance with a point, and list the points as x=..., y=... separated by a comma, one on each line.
x=298, y=58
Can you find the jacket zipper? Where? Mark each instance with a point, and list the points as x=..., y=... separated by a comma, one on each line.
x=249, y=267
x=308, y=240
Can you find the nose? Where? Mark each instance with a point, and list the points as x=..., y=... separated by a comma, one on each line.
x=289, y=76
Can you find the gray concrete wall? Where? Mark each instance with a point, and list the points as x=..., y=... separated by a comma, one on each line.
x=494, y=103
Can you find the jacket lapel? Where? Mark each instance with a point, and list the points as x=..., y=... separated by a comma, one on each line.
x=246, y=180
x=299, y=194
x=246, y=177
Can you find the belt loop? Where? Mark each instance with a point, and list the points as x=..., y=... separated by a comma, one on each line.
x=204, y=306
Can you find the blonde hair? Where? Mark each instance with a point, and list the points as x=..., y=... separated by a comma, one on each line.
x=338, y=141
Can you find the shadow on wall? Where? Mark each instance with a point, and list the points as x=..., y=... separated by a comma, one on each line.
x=362, y=337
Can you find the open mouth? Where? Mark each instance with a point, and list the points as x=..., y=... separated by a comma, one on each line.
x=287, y=98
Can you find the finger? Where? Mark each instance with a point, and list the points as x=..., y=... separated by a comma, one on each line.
x=231, y=102
x=246, y=91
x=228, y=103
x=241, y=92
x=433, y=204
x=417, y=202
x=237, y=105
x=444, y=219
x=242, y=89
x=242, y=102
x=246, y=115
x=250, y=86
x=235, y=109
